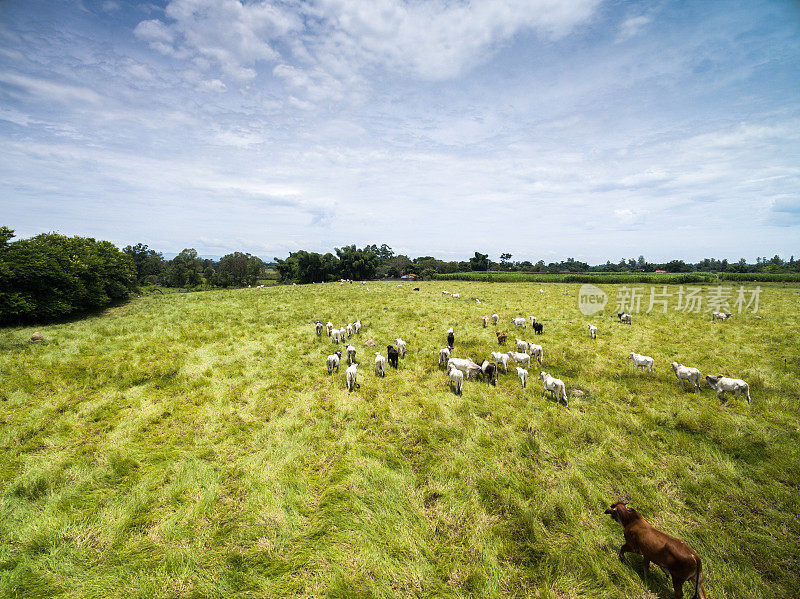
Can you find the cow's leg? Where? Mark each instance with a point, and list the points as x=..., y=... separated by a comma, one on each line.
x=646, y=568
x=623, y=550
x=677, y=582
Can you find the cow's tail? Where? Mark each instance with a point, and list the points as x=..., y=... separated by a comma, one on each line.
x=699, y=591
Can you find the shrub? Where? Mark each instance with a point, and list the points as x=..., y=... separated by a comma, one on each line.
x=51, y=276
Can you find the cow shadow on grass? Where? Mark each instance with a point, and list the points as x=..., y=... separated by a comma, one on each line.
x=658, y=582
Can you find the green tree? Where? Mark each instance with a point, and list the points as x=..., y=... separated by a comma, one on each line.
x=479, y=261
x=185, y=269
x=355, y=263
x=149, y=264
x=239, y=269
x=677, y=266
x=51, y=276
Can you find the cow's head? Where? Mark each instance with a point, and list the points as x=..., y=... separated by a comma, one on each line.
x=712, y=380
x=620, y=512
x=674, y=366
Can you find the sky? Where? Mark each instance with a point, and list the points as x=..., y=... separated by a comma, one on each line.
x=592, y=129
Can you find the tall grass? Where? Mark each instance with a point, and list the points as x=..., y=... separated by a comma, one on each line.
x=193, y=445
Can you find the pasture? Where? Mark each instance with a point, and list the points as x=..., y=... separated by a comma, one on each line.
x=193, y=445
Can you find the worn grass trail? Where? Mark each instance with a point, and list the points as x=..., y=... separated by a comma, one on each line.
x=192, y=445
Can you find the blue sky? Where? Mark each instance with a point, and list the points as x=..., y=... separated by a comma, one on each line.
x=545, y=128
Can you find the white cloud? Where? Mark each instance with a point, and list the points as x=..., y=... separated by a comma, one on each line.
x=632, y=26
x=49, y=90
x=327, y=45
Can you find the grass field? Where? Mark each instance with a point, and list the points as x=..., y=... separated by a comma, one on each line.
x=192, y=445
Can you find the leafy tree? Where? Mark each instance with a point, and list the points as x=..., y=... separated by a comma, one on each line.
x=149, y=264
x=51, y=276
x=677, y=266
x=428, y=274
x=355, y=263
x=479, y=261
x=394, y=266
x=239, y=269
x=307, y=267
x=383, y=253
x=184, y=269
x=504, y=258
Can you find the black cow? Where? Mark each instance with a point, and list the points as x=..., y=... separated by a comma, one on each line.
x=451, y=338
x=538, y=327
x=392, y=356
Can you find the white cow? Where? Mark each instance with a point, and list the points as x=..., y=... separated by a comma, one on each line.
x=465, y=365
x=523, y=376
x=555, y=386
x=520, y=358
x=456, y=379
x=641, y=362
x=536, y=351
x=723, y=384
x=501, y=359
x=686, y=373
x=380, y=364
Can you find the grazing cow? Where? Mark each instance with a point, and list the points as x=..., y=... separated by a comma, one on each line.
x=538, y=327
x=451, y=338
x=686, y=373
x=444, y=356
x=518, y=322
x=555, y=386
x=485, y=321
x=351, y=374
x=456, y=379
x=416, y=288
x=333, y=362
x=624, y=317
x=489, y=370
x=722, y=384
x=392, y=355
x=495, y=318
x=523, y=376
x=380, y=364
x=501, y=338
x=641, y=362
x=720, y=316
x=501, y=359
x=465, y=365
x=673, y=555
x=319, y=326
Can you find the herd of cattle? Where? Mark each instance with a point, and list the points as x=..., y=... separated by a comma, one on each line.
x=460, y=368
x=673, y=555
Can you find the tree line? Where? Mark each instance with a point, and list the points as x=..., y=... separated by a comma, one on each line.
x=187, y=270
x=51, y=276
x=373, y=262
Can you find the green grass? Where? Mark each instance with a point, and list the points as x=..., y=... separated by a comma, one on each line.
x=192, y=445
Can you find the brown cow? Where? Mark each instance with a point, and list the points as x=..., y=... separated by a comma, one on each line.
x=672, y=554
x=501, y=338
